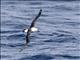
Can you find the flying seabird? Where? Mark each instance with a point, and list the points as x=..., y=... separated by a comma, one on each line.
x=32, y=28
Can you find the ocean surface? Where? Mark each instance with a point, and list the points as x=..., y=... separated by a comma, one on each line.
x=59, y=30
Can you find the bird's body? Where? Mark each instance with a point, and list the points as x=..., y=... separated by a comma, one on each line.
x=33, y=29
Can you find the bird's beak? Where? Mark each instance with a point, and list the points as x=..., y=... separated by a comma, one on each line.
x=23, y=30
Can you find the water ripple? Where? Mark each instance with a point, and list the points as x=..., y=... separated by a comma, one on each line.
x=59, y=27
x=39, y=57
x=68, y=56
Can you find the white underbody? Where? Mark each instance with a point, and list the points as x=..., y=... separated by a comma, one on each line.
x=33, y=29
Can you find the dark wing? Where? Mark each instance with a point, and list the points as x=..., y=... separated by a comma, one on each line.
x=32, y=24
x=27, y=36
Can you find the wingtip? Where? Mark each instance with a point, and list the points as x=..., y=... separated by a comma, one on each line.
x=40, y=9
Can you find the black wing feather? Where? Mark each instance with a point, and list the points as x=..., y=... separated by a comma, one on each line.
x=33, y=22
x=32, y=25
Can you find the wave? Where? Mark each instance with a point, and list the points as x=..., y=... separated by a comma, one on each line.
x=48, y=57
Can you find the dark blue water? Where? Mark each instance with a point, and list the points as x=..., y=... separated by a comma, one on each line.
x=59, y=25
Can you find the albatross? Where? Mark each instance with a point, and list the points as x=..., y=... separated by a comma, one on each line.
x=32, y=27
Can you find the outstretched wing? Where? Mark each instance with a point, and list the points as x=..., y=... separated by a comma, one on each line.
x=33, y=22
x=32, y=25
x=27, y=37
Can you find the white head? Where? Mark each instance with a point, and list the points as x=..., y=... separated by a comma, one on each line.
x=25, y=30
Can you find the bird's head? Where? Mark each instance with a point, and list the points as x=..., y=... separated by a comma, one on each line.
x=25, y=30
